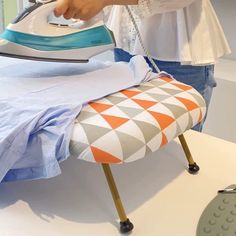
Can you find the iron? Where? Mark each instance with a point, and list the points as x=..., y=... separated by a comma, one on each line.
x=35, y=35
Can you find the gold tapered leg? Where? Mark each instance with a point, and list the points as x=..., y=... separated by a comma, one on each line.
x=193, y=167
x=186, y=149
x=114, y=192
x=125, y=224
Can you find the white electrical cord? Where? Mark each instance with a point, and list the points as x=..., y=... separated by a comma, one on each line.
x=141, y=40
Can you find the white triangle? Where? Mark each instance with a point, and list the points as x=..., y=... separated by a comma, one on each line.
x=183, y=122
x=87, y=155
x=115, y=111
x=170, y=86
x=176, y=82
x=138, y=155
x=196, y=93
x=78, y=134
x=144, y=96
x=148, y=84
x=160, y=108
x=170, y=131
x=132, y=129
x=187, y=95
x=129, y=103
x=174, y=101
x=97, y=120
x=195, y=114
x=157, y=90
x=110, y=143
x=104, y=101
x=155, y=143
x=148, y=118
x=88, y=108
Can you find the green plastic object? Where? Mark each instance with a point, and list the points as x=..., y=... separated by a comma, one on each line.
x=219, y=217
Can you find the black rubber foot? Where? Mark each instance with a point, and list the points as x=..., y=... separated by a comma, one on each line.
x=193, y=168
x=126, y=226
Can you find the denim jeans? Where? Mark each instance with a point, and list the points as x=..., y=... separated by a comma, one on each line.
x=199, y=77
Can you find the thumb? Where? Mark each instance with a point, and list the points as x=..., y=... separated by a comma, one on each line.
x=61, y=7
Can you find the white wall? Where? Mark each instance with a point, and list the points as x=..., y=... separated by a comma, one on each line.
x=221, y=108
x=226, y=11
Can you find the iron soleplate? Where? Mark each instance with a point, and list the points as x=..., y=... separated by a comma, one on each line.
x=43, y=59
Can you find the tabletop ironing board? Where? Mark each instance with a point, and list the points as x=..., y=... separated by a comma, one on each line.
x=126, y=126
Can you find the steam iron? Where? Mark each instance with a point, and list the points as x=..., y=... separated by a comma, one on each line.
x=32, y=36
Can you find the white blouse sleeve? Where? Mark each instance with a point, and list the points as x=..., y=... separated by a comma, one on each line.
x=146, y=8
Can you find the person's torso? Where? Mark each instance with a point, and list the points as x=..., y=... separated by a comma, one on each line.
x=191, y=35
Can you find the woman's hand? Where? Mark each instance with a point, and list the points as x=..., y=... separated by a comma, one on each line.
x=85, y=9
x=79, y=9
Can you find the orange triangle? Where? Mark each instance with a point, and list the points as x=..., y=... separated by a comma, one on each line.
x=167, y=79
x=144, y=103
x=163, y=120
x=164, y=140
x=130, y=93
x=184, y=87
x=190, y=105
x=99, y=107
x=115, y=121
x=104, y=157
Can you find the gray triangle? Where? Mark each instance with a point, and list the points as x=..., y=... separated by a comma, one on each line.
x=129, y=144
x=175, y=109
x=157, y=82
x=83, y=115
x=131, y=112
x=172, y=91
x=149, y=131
x=199, y=99
x=94, y=132
x=148, y=150
x=178, y=130
x=190, y=123
x=144, y=88
x=115, y=100
x=77, y=148
x=158, y=97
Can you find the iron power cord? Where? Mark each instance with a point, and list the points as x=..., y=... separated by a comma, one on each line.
x=141, y=40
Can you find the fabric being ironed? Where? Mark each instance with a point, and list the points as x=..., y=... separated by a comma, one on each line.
x=37, y=119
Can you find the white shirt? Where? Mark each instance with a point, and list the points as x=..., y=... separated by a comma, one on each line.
x=186, y=31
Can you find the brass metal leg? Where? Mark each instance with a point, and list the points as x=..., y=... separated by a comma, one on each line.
x=193, y=167
x=125, y=224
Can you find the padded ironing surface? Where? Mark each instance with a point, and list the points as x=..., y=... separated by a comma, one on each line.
x=219, y=217
x=126, y=126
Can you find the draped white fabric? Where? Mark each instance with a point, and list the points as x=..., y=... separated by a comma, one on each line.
x=186, y=31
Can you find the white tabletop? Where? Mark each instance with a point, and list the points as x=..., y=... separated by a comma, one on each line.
x=159, y=195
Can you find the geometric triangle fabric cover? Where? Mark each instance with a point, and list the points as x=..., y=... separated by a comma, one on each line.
x=125, y=126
